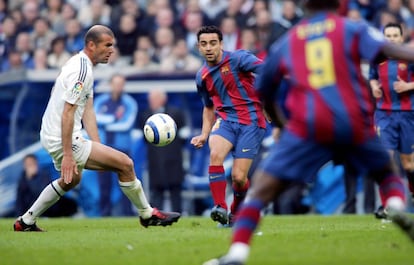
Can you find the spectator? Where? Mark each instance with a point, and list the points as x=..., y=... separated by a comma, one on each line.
x=267, y=30
x=127, y=35
x=180, y=61
x=145, y=43
x=53, y=13
x=30, y=11
x=231, y=34
x=13, y=62
x=41, y=36
x=165, y=18
x=96, y=12
x=249, y=41
x=165, y=164
x=116, y=113
x=40, y=59
x=68, y=13
x=3, y=10
x=58, y=55
x=192, y=22
x=25, y=48
x=213, y=8
x=73, y=36
x=233, y=10
x=164, y=42
x=7, y=36
x=142, y=63
x=31, y=183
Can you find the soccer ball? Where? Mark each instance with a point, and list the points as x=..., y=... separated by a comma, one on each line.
x=160, y=129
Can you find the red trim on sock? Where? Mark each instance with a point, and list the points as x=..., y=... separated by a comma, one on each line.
x=215, y=169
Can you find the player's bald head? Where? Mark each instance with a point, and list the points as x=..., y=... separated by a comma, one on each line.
x=322, y=4
x=95, y=33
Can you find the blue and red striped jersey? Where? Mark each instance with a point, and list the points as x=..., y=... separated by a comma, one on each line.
x=386, y=73
x=328, y=99
x=229, y=87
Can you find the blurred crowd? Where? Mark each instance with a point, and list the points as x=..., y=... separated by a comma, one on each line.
x=160, y=35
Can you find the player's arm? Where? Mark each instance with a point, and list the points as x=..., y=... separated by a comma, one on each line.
x=374, y=82
x=401, y=86
x=208, y=121
x=68, y=166
x=89, y=121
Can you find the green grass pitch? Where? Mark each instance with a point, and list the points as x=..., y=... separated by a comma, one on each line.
x=285, y=240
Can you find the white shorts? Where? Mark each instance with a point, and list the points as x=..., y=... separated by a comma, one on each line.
x=81, y=148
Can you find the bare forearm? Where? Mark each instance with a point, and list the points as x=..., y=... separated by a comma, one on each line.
x=208, y=121
x=89, y=122
x=67, y=131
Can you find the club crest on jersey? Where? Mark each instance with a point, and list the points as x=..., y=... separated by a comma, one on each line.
x=225, y=70
x=402, y=66
x=77, y=88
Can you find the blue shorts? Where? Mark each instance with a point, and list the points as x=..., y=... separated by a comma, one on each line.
x=246, y=139
x=396, y=130
x=295, y=158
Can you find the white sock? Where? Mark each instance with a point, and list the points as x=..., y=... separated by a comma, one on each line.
x=49, y=196
x=394, y=204
x=135, y=193
x=238, y=252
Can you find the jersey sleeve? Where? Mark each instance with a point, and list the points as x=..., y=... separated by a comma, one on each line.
x=74, y=81
x=248, y=62
x=202, y=91
x=371, y=41
x=373, y=72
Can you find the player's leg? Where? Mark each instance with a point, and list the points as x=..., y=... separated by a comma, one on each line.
x=219, y=148
x=248, y=146
x=47, y=198
x=297, y=160
x=240, y=184
x=103, y=157
x=406, y=120
x=382, y=169
x=407, y=162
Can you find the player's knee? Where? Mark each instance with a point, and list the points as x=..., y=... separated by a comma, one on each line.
x=216, y=158
x=127, y=164
x=238, y=178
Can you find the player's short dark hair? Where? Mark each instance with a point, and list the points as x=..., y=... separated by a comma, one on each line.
x=210, y=29
x=393, y=25
x=95, y=33
x=322, y=4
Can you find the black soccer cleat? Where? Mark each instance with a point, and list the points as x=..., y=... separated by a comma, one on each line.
x=232, y=219
x=20, y=226
x=219, y=214
x=160, y=218
x=405, y=223
x=381, y=213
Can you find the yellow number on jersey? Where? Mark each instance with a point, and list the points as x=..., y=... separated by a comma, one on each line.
x=320, y=63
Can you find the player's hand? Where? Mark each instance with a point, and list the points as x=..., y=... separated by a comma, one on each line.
x=377, y=92
x=198, y=141
x=68, y=168
x=276, y=131
x=400, y=85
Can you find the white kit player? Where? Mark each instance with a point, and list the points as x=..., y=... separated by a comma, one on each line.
x=71, y=105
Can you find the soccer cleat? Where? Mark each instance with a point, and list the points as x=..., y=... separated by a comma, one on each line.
x=20, y=226
x=404, y=222
x=222, y=261
x=232, y=219
x=381, y=213
x=219, y=214
x=160, y=218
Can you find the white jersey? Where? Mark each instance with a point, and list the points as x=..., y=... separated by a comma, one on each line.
x=73, y=85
